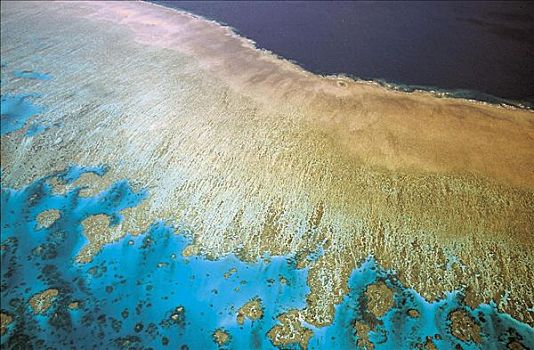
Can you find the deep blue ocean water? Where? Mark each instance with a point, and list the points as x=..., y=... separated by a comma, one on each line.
x=476, y=49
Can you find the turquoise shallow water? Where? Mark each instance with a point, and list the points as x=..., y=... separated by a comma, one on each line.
x=133, y=287
x=18, y=109
x=145, y=275
x=28, y=74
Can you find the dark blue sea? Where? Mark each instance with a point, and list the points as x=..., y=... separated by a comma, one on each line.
x=486, y=48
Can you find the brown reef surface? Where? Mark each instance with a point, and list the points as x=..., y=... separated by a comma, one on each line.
x=256, y=154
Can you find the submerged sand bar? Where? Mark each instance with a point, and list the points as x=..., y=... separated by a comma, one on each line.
x=253, y=152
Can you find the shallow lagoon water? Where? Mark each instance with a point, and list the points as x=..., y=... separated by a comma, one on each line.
x=145, y=275
x=132, y=288
x=28, y=74
x=16, y=111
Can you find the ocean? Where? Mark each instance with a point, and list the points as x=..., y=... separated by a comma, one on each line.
x=471, y=49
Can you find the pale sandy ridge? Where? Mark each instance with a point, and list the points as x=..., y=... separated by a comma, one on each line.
x=401, y=130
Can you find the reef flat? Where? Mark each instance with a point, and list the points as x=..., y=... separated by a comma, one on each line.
x=254, y=155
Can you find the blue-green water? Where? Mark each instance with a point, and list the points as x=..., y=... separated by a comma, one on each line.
x=145, y=275
x=130, y=291
x=28, y=74
x=17, y=110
